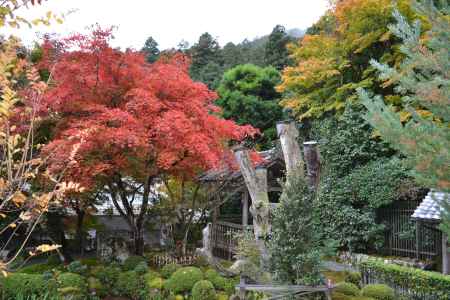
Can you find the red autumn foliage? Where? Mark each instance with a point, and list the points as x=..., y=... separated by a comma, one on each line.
x=132, y=118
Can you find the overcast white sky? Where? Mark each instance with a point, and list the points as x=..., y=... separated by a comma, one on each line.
x=170, y=21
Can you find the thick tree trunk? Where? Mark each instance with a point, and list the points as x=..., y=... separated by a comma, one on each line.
x=288, y=134
x=138, y=241
x=256, y=182
x=312, y=159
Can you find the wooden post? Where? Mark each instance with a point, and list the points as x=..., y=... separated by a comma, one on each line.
x=288, y=134
x=312, y=159
x=256, y=182
x=242, y=288
x=417, y=239
x=445, y=255
x=245, y=208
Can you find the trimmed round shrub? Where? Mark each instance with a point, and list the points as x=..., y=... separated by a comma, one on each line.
x=141, y=268
x=203, y=290
x=131, y=262
x=37, y=268
x=218, y=281
x=347, y=288
x=77, y=267
x=183, y=280
x=130, y=284
x=28, y=285
x=169, y=269
x=222, y=296
x=353, y=277
x=73, y=285
x=378, y=292
x=150, y=275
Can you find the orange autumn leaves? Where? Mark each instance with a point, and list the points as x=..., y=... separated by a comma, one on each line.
x=332, y=62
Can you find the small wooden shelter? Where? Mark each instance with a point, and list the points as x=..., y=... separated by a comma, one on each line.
x=429, y=213
x=224, y=227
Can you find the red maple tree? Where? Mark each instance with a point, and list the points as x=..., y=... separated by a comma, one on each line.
x=136, y=121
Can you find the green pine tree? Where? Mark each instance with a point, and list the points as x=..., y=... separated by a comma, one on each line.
x=423, y=81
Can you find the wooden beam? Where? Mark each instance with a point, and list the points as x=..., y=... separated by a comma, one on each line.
x=445, y=255
x=312, y=159
x=245, y=208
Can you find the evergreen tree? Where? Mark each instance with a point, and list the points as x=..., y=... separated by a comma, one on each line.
x=151, y=50
x=423, y=81
x=275, y=51
x=206, y=53
x=296, y=246
x=248, y=96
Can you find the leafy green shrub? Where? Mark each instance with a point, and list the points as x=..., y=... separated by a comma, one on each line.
x=378, y=291
x=347, y=288
x=131, y=262
x=214, y=277
x=353, y=277
x=141, y=268
x=169, y=269
x=222, y=296
x=151, y=275
x=155, y=283
x=201, y=262
x=28, y=285
x=73, y=285
x=77, y=267
x=37, y=268
x=107, y=275
x=339, y=296
x=203, y=290
x=414, y=280
x=183, y=280
x=90, y=262
x=131, y=285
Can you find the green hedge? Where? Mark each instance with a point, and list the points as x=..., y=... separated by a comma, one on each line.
x=412, y=281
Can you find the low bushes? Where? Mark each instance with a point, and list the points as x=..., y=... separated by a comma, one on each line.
x=72, y=285
x=131, y=284
x=183, y=280
x=378, y=292
x=203, y=290
x=132, y=262
x=409, y=280
x=29, y=285
x=347, y=288
x=169, y=269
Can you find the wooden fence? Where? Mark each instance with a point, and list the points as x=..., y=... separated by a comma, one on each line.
x=223, y=238
x=162, y=260
x=400, y=234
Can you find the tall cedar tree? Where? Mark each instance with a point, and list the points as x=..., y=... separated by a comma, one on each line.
x=136, y=121
x=275, y=52
x=151, y=50
x=423, y=82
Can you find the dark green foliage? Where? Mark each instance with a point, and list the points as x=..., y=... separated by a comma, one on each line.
x=107, y=275
x=28, y=285
x=276, y=53
x=203, y=290
x=169, y=269
x=349, y=203
x=347, y=288
x=248, y=96
x=378, y=292
x=360, y=174
x=131, y=262
x=183, y=280
x=96, y=287
x=77, y=267
x=151, y=50
x=130, y=284
x=206, y=56
x=37, y=268
x=414, y=280
x=296, y=246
